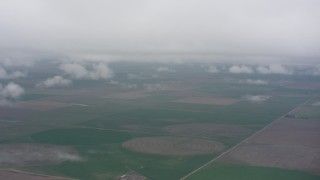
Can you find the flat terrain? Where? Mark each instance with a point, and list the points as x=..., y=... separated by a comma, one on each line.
x=146, y=124
x=208, y=100
x=290, y=143
x=173, y=146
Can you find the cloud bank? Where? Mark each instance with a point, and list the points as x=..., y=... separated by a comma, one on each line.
x=251, y=29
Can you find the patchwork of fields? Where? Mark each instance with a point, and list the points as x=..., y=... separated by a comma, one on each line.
x=159, y=131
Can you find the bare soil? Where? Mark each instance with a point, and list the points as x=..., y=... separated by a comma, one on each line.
x=173, y=145
x=290, y=143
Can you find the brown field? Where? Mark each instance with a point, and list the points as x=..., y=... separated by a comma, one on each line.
x=290, y=143
x=208, y=100
x=173, y=145
x=41, y=105
x=127, y=96
x=12, y=155
x=16, y=175
x=208, y=129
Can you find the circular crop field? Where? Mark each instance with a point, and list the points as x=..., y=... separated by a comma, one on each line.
x=173, y=145
x=79, y=136
x=208, y=129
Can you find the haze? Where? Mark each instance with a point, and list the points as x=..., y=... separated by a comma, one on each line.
x=281, y=30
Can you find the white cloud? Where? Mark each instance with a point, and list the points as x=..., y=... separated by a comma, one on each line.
x=16, y=74
x=54, y=81
x=240, y=69
x=9, y=93
x=77, y=71
x=257, y=81
x=213, y=69
x=11, y=90
x=256, y=98
x=274, y=69
x=165, y=69
x=100, y=71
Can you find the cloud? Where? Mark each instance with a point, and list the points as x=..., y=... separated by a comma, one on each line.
x=274, y=69
x=213, y=69
x=11, y=90
x=240, y=69
x=256, y=98
x=16, y=74
x=77, y=71
x=10, y=93
x=26, y=154
x=55, y=81
x=165, y=69
x=9, y=62
x=256, y=82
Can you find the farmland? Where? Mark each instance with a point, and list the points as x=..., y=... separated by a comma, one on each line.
x=165, y=126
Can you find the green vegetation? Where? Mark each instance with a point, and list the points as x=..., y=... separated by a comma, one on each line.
x=79, y=136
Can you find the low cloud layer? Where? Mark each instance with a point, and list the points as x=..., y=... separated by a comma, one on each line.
x=56, y=81
x=228, y=29
x=274, y=69
x=240, y=69
x=12, y=75
x=78, y=71
x=9, y=93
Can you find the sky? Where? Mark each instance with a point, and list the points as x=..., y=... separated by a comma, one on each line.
x=252, y=30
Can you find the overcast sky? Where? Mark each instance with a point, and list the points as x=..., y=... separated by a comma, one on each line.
x=257, y=28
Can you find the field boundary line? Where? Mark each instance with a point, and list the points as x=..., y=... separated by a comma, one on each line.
x=254, y=134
